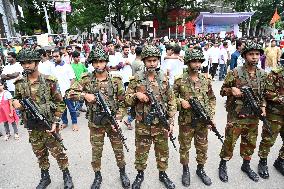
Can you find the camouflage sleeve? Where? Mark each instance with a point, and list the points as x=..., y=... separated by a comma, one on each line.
x=76, y=89
x=226, y=89
x=271, y=92
x=172, y=105
x=120, y=95
x=17, y=94
x=56, y=98
x=212, y=100
x=176, y=88
x=130, y=98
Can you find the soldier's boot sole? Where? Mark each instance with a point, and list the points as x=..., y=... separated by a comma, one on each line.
x=44, y=183
x=186, y=179
x=278, y=167
x=263, y=171
x=250, y=173
x=223, y=175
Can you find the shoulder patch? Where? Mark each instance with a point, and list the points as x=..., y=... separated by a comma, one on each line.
x=50, y=78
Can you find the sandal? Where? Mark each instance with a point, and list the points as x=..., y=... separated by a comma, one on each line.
x=128, y=125
x=16, y=136
x=75, y=127
x=62, y=126
x=7, y=136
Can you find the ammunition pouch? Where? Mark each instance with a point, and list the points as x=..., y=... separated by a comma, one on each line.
x=101, y=118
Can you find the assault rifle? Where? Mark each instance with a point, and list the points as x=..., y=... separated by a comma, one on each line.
x=200, y=114
x=251, y=101
x=29, y=105
x=157, y=109
x=101, y=101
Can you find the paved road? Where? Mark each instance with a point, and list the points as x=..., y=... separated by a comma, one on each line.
x=19, y=169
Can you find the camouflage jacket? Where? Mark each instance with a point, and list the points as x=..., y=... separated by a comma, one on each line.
x=112, y=89
x=184, y=88
x=164, y=94
x=274, y=91
x=44, y=92
x=239, y=77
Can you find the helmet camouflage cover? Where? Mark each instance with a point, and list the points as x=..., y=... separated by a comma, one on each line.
x=150, y=51
x=194, y=54
x=249, y=46
x=98, y=54
x=28, y=54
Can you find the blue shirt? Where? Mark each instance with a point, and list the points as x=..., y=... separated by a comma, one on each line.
x=234, y=58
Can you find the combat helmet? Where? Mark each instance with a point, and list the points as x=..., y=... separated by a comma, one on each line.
x=98, y=54
x=150, y=51
x=28, y=54
x=249, y=46
x=194, y=54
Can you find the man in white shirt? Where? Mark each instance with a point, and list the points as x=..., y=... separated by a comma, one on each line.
x=205, y=64
x=65, y=76
x=214, y=54
x=45, y=66
x=223, y=61
x=11, y=71
x=126, y=71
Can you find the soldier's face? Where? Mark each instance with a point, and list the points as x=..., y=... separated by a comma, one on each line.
x=195, y=65
x=252, y=57
x=151, y=63
x=99, y=64
x=29, y=66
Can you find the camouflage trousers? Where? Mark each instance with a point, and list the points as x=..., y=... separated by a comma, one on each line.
x=143, y=143
x=97, y=135
x=42, y=142
x=200, y=135
x=248, y=134
x=267, y=141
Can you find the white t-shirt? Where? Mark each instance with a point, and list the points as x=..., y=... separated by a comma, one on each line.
x=10, y=69
x=45, y=67
x=223, y=56
x=126, y=71
x=114, y=60
x=64, y=74
x=206, y=57
x=7, y=95
x=214, y=53
x=175, y=68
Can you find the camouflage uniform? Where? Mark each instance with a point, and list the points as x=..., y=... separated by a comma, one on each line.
x=239, y=121
x=155, y=133
x=113, y=92
x=275, y=115
x=184, y=88
x=47, y=97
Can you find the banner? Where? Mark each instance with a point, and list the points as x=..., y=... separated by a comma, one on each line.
x=62, y=6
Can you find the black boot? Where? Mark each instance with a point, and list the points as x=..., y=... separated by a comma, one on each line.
x=97, y=181
x=138, y=180
x=223, y=175
x=165, y=179
x=124, y=178
x=45, y=180
x=279, y=165
x=68, y=183
x=202, y=175
x=185, y=176
x=263, y=169
x=251, y=174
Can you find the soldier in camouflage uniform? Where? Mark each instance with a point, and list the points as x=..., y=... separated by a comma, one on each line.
x=275, y=115
x=44, y=91
x=137, y=98
x=193, y=84
x=113, y=91
x=240, y=119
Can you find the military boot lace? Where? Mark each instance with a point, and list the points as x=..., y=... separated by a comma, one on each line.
x=124, y=178
x=202, y=175
x=223, y=175
x=250, y=173
x=263, y=169
x=186, y=176
x=165, y=179
x=138, y=180
x=97, y=181
x=45, y=180
x=68, y=183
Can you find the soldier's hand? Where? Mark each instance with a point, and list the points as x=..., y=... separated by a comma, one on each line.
x=171, y=129
x=90, y=97
x=53, y=128
x=209, y=127
x=185, y=104
x=17, y=104
x=263, y=111
x=113, y=128
x=237, y=92
x=119, y=117
x=142, y=97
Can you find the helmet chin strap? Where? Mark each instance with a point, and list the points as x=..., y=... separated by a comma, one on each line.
x=99, y=71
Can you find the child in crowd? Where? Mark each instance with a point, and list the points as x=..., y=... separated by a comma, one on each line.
x=7, y=112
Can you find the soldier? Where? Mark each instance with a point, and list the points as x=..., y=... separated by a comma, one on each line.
x=240, y=119
x=275, y=115
x=193, y=84
x=136, y=97
x=44, y=91
x=113, y=91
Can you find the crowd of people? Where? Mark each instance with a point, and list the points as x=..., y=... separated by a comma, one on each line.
x=174, y=71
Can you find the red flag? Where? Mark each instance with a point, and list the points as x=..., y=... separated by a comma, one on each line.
x=275, y=17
